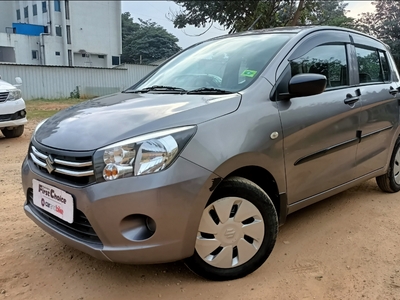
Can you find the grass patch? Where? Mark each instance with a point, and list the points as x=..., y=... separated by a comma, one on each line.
x=44, y=108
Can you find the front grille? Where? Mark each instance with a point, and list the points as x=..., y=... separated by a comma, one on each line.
x=6, y=117
x=3, y=96
x=14, y=116
x=69, y=169
x=80, y=229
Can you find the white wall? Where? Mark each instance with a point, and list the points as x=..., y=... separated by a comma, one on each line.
x=23, y=46
x=6, y=14
x=53, y=44
x=92, y=61
x=102, y=34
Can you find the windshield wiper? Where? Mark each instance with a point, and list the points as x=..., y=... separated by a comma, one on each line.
x=158, y=88
x=206, y=90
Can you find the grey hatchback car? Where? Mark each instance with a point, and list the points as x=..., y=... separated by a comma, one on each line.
x=204, y=158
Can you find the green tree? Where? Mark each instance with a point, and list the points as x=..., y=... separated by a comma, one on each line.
x=240, y=15
x=145, y=42
x=384, y=24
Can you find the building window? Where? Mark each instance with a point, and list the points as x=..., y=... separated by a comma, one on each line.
x=26, y=12
x=44, y=7
x=101, y=56
x=18, y=14
x=34, y=9
x=34, y=54
x=57, y=6
x=68, y=34
x=67, y=9
x=58, y=30
x=10, y=30
x=70, y=58
x=115, y=60
x=57, y=53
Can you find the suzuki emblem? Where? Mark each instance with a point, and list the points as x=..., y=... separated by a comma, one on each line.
x=49, y=164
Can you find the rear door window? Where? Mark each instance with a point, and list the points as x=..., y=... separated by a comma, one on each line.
x=369, y=66
x=385, y=66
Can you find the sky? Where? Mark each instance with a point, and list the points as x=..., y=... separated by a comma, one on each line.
x=158, y=11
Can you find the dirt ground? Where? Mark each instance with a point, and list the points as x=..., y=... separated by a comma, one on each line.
x=346, y=247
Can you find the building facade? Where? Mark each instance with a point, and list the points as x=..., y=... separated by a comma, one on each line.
x=61, y=32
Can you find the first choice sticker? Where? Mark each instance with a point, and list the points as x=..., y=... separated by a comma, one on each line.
x=53, y=200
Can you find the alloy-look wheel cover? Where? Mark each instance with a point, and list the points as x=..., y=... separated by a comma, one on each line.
x=396, y=167
x=231, y=232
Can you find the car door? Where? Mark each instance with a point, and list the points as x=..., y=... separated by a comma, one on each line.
x=319, y=131
x=380, y=108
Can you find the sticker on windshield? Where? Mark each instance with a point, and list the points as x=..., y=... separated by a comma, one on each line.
x=249, y=73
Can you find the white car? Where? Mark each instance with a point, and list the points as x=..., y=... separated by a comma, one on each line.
x=12, y=109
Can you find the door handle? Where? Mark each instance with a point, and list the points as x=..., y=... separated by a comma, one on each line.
x=350, y=100
x=393, y=91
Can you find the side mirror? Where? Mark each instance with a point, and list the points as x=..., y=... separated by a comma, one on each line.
x=308, y=84
x=18, y=80
x=302, y=85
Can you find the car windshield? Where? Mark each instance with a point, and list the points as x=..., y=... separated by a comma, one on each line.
x=222, y=65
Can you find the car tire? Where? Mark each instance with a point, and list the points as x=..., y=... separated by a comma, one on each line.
x=237, y=231
x=390, y=182
x=14, y=132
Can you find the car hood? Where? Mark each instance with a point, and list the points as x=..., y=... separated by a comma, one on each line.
x=6, y=86
x=102, y=121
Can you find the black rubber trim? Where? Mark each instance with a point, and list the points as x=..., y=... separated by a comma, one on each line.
x=368, y=135
x=326, y=151
x=358, y=139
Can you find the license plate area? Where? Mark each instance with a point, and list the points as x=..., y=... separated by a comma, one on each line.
x=53, y=200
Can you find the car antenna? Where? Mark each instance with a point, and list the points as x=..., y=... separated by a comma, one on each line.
x=254, y=23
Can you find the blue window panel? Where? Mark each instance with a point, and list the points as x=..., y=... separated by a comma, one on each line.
x=44, y=7
x=57, y=6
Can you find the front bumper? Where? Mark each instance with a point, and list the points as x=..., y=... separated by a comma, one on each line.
x=10, y=113
x=173, y=198
x=13, y=123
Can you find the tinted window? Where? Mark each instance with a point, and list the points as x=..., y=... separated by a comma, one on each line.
x=369, y=67
x=328, y=60
x=385, y=66
x=44, y=7
x=115, y=60
x=58, y=31
x=34, y=9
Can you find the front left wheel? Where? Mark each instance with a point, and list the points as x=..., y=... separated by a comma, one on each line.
x=237, y=231
x=13, y=132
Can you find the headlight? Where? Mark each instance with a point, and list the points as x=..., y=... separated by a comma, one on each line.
x=141, y=155
x=14, y=94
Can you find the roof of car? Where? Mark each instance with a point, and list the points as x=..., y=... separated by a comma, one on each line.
x=297, y=30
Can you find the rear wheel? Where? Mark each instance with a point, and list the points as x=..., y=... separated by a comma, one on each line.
x=237, y=231
x=390, y=182
x=13, y=132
